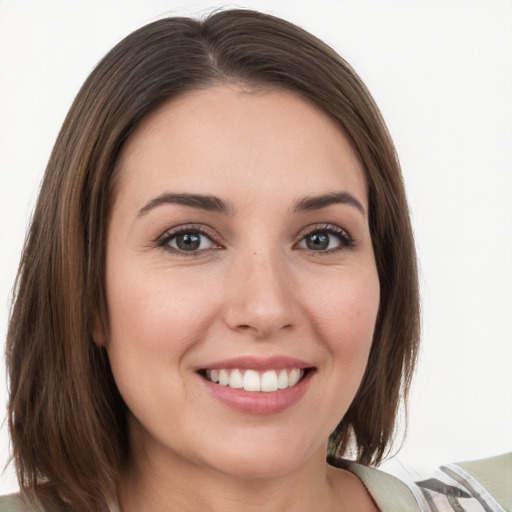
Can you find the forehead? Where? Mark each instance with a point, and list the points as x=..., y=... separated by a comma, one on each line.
x=227, y=140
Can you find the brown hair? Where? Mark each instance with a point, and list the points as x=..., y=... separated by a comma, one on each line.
x=67, y=420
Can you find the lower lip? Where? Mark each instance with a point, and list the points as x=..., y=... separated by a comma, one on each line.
x=259, y=402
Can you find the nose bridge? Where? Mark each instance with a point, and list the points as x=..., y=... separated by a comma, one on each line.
x=259, y=293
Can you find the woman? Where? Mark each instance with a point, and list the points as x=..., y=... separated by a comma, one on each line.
x=219, y=283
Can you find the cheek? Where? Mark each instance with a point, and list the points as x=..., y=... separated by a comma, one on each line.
x=156, y=319
x=156, y=310
x=344, y=312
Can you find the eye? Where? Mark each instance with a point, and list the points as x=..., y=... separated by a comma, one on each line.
x=326, y=239
x=187, y=240
x=191, y=241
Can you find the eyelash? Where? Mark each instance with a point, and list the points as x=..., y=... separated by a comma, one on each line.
x=165, y=239
x=346, y=241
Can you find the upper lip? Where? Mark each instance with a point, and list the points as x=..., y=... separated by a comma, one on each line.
x=259, y=363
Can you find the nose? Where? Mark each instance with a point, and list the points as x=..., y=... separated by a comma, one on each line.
x=260, y=302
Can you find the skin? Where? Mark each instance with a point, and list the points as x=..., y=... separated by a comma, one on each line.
x=252, y=288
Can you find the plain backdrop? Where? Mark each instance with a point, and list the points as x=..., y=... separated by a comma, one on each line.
x=441, y=73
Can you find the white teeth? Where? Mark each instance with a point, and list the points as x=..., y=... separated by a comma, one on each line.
x=294, y=377
x=223, y=378
x=251, y=380
x=236, y=380
x=282, y=381
x=269, y=381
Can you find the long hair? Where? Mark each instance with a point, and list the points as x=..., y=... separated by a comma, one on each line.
x=67, y=421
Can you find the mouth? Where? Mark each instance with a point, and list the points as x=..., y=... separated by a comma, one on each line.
x=258, y=385
x=252, y=380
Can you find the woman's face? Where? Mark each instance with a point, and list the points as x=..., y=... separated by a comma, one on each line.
x=239, y=258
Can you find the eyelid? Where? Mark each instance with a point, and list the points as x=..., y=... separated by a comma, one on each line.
x=162, y=241
x=347, y=241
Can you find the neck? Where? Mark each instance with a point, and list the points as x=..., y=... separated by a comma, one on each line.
x=167, y=483
x=159, y=479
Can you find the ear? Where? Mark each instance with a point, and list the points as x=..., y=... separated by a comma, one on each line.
x=98, y=330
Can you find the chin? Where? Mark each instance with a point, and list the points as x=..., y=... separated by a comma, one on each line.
x=263, y=459
x=259, y=468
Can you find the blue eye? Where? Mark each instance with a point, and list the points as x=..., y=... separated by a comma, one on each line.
x=187, y=241
x=327, y=239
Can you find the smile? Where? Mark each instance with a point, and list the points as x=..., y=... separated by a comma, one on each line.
x=258, y=385
x=252, y=380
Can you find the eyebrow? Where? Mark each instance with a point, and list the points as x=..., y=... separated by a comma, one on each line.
x=324, y=200
x=208, y=203
x=215, y=204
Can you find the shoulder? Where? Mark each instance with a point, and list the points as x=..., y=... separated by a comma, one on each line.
x=12, y=503
x=494, y=475
x=483, y=485
x=388, y=492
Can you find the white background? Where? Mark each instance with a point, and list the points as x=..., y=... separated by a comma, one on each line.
x=441, y=71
